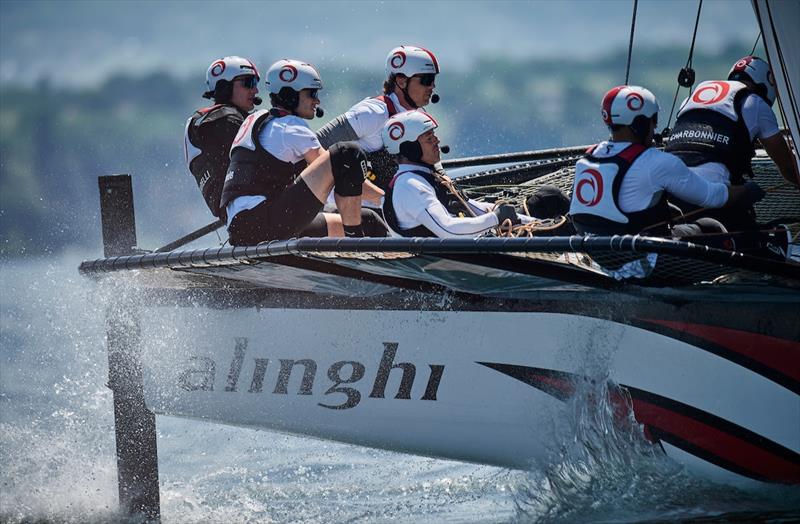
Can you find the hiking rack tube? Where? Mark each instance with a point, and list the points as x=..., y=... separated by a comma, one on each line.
x=440, y=246
x=506, y=158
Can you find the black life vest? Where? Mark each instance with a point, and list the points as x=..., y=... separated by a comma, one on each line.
x=443, y=195
x=253, y=169
x=712, y=129
x=208, y=136
x=599, y=212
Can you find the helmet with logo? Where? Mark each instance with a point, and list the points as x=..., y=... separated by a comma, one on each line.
x=409, y=60
x=286, y=78
x=221, y=73
x=400, y=133
x=757, y=71
x=632, y=106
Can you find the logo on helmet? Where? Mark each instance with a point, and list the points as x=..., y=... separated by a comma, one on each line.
x=711, y=93
x=396, y=130
x=217, y=68
x=635, y=101
x=743, y=63
x=595, y=183
x=398, y=60
x=288, y=73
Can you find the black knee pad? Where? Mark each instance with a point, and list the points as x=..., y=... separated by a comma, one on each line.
x=710, y=225
x=350, y=167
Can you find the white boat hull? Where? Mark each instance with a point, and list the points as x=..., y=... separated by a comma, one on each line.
x=487, y=387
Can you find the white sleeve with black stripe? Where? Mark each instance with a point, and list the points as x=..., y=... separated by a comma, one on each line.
x=415, y=204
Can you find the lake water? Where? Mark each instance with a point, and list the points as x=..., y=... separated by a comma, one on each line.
x=57, y=452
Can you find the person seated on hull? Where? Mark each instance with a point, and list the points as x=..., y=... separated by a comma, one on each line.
x=279, y=176
x=233, y=85
x=716, y=130
x=410, y=80
x=421, y=202
x=621, y=185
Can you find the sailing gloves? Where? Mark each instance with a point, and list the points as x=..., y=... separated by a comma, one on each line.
x=753, y=192
x=506, y=212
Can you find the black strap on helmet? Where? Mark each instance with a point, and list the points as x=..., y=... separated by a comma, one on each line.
x=405, y=93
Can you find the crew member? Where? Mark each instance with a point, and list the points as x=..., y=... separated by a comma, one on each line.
x=716, y=129
x=621, y=185
x=410, y=80
x=233, y=85
x=420, y=202
x=279, y=175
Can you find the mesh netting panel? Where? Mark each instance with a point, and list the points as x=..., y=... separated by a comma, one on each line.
x=782, y=201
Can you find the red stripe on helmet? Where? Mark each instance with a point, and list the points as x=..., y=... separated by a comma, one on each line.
x=254, y=68
x=607, y=101
x=435, y=63
x=429, y=116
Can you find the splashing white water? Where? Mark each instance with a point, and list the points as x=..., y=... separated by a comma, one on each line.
x=57, y=451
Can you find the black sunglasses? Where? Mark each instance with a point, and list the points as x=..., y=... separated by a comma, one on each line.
x=426, y=79
x=313, y=93
x=248, y=82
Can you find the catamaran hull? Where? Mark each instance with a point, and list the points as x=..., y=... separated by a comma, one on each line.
x=482, y=386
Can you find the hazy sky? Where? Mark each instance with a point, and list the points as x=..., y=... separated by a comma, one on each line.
x=81, y=43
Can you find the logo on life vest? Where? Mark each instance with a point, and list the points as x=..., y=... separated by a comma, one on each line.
x=288, y=73
x=397, y=130
x=711, y=93
x=217, y=68
x=398, y=60
x=244, y=129
x=634, y=101
x=595, y=184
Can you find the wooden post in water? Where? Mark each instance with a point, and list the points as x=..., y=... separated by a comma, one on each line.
x=134, y=424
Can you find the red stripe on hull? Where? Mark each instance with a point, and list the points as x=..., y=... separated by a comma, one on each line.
x=779, y=354
x=697, y=432
x=760, y=463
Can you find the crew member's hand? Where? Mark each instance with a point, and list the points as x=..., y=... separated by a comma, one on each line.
x=753, y=192
x=506, y=212
x=371, y=192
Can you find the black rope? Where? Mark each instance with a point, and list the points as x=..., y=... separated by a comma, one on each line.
x=755, y=44
x=630, y=43
x=686, y=76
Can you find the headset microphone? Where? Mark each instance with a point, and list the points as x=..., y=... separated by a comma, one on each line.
x=434, y=99
x=319, y=113
x=445, y=149
x=257, y=100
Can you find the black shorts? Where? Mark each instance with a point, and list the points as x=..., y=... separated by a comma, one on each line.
x=296, y=212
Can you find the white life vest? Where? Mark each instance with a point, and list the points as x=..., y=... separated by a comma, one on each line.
x=716, y=95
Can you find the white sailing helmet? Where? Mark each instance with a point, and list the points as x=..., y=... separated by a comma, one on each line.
x=293, y=74
x=406, y=127
x=623, y=104
x=757, y=71
x=410, y=60
x=226, y=69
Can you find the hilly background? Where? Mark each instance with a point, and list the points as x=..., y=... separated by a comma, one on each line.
x=95, y=88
